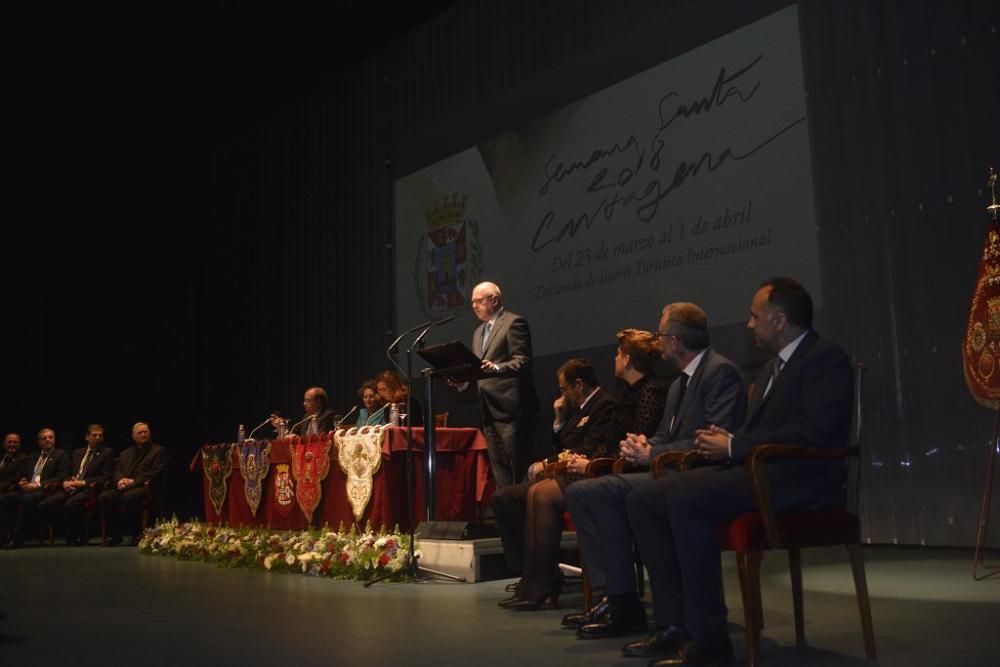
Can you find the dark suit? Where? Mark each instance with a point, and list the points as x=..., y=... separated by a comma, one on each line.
x=55, y=469
x=100, y=467
x=674, y=517
x=12, y=470
x=147, y=466
x=325, y=420
x=508, y=398
x=715, y=395
x=586, y=432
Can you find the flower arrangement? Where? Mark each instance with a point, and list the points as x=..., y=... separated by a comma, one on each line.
x=318, y=553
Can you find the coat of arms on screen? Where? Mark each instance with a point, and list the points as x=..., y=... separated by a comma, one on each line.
x=449, y=258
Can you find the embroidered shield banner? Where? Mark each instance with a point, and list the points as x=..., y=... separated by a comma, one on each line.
x=255, y=462
x=981, y=346
x=284, y=489
x=310, y=466
x=359, y=451
x=217, y=462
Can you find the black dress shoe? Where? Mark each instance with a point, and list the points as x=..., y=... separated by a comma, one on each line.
x=665, y=641
x=592, y=615
x=698, y=654
x=617, y=621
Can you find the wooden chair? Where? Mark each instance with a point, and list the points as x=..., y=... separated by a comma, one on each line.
x=753, y=533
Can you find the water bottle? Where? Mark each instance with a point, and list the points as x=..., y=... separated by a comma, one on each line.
x=241, y=435
x=393, y=414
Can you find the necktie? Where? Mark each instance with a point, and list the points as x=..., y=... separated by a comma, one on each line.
x=36, y=477
x=486, y=335
x=83, y=464
x=779, y=363
x=680, y=399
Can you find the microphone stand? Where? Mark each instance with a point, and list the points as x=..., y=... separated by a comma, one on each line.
x=414, y=571
x=258, y=427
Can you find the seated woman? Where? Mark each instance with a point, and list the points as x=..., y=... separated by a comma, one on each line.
x=394, y=389
x=592, y=429
x=376, y=410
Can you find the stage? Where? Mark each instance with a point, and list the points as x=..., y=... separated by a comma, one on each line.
x=110, y=606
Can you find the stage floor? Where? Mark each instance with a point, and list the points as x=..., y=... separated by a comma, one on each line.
x=113, y=606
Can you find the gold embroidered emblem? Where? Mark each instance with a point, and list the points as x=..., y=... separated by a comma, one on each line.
x=359, y=451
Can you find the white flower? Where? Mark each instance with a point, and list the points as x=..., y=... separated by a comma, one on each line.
x=290, y=559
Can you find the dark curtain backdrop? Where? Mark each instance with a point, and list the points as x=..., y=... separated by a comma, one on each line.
x=284, y=279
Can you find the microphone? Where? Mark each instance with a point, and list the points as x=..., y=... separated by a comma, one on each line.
x=377, y=412
x=262, y=424
x=430, y=325
x=344, y=418
x=301, y=421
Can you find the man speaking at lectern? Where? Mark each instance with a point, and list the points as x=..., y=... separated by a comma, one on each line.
x=507, y=392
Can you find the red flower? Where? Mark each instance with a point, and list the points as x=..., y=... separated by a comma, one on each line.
x=383, y=560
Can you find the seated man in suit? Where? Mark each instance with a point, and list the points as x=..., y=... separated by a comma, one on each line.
x=92, y=465
x=802, y=397
x=318, y=418
x=47, y=472
x=138, y=476
x=14, y=466
x=584, y=418
x=708, y=391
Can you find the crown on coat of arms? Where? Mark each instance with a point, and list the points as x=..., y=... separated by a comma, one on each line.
x=449, y=210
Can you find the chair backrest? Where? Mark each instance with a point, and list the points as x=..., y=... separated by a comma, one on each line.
x=441, y=419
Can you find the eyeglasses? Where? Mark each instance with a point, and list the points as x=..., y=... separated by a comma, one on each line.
x=664, y=334
x=482, y=299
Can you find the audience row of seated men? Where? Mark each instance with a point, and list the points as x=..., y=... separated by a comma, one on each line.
x=56, y=488
x=802, y=397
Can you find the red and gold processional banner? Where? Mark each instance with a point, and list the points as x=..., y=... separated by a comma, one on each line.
x=981, y=346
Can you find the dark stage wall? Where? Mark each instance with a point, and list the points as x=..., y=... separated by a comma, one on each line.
x=288, y=279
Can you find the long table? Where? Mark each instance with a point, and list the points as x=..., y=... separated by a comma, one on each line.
x=461, y=462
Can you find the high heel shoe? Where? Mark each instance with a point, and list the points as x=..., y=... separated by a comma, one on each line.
x=507, y=602
x=513, y=589
x=546, y=601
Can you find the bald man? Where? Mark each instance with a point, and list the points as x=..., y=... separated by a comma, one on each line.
x=138, y=476
x=507, y=393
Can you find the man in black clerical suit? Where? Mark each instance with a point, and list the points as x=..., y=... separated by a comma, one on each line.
x=91, y=466
x=14, y=466
x=708, y=391
x=584, y=421
x=139, y=475
x=47, y=471
x=507, y=394
x=802, y=397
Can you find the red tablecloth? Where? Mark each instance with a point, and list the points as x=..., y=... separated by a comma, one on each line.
x=462, y=466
